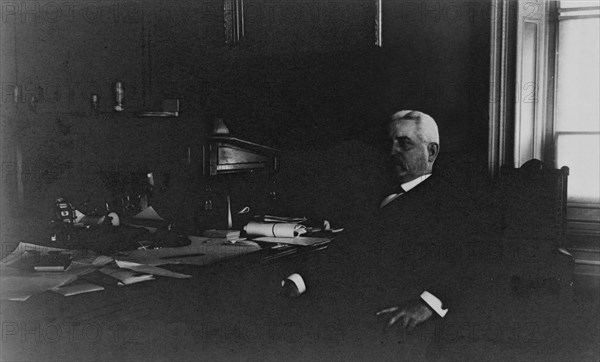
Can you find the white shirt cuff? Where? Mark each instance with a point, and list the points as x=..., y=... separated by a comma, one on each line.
x=434, y=303
x=298, y=282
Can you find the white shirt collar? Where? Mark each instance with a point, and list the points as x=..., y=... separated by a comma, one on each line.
x=407, y=186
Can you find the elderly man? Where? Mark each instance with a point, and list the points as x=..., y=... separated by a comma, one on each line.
x=404, y=252
x=415, y=147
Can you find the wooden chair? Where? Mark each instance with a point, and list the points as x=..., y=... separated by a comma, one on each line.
x=535, y=202
x=534, y=208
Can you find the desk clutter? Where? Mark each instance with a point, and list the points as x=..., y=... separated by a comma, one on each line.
x=129, y=250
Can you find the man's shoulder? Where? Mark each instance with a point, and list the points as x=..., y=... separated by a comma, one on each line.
x=433, y=183
x=442, y=193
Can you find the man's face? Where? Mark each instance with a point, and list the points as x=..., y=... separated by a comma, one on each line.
x=409, y=153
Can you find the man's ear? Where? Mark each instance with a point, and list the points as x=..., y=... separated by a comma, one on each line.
x=433, y=150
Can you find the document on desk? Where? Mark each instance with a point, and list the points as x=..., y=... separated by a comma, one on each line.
x=201, y=251
x=299, y=240
x=126, y=277
x=79, y=288
x=149, y=269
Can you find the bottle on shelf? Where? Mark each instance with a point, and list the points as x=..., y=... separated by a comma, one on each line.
x=119, y=93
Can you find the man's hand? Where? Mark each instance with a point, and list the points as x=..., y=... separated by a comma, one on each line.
x=411, y=315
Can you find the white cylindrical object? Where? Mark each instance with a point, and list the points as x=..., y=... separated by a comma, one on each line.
x=282, y=230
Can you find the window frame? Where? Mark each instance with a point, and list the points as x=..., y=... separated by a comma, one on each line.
x=507, y=143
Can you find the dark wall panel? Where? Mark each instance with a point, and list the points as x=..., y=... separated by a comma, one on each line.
x=306, y=75
x=437, y=56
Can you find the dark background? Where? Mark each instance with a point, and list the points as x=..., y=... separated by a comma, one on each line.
x=306, y=76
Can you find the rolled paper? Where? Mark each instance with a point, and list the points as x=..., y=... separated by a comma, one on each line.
x=281, y=230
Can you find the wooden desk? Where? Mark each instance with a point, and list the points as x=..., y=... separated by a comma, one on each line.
x=227, y=310
x=204, y=251
x=232, y=310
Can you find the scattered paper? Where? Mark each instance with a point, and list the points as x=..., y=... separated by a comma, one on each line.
x=20, y=284
x=142, y=268
x=74, y=289
x=29, y=260
x=20, y=252
x=126, y=277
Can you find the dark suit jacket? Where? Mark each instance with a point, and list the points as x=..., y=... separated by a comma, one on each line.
x=382, y=259
x=423, y=236
x=386, y=256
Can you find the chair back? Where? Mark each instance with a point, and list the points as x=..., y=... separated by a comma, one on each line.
x=535, y=202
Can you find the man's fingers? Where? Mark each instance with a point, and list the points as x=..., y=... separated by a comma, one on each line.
x=410, y=316
x=406, y=320
x=413, y=323
x=394, y=319
x=387, y=310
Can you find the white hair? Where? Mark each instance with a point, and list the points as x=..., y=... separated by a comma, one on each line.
x=427, y=127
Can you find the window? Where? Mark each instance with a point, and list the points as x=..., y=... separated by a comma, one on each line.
x=544, y=97
x=577, y=107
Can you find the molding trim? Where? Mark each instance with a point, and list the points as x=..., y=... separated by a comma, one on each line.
x=379, y=23
x=499, y=66
x=233, y=15
x=531, y=88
